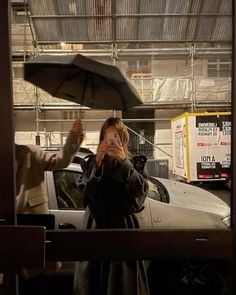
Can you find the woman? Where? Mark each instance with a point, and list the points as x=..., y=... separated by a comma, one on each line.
x=115, y=187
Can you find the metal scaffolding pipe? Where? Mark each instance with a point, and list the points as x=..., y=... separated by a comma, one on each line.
x=140, y=15
x=103, y=120
x=167, y=105
x=134, y=41
x=129, y=53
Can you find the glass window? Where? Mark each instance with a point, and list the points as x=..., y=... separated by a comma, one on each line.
x=219, y=68
x=68, y=195
x=157, y=191
x=139, y=69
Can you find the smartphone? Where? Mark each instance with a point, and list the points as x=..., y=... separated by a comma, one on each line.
x=112, y=137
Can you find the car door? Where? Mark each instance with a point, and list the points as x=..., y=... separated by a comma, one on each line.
x=65, y=199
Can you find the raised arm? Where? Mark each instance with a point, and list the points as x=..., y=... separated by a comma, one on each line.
x=57, y=160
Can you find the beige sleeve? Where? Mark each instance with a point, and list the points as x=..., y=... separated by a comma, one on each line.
x=61, y=159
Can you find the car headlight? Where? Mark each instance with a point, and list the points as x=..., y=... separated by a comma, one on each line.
x=226, y=220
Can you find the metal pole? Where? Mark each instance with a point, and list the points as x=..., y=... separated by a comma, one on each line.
x=37, y=108
x=193, y=91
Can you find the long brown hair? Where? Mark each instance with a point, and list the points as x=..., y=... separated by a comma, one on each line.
x=121, y=129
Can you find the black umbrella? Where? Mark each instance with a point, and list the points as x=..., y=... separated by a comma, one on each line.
x=82, y=80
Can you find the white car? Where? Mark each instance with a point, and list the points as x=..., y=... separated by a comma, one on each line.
x=170, y=204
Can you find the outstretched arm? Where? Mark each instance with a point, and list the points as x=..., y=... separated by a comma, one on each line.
x=57, y=160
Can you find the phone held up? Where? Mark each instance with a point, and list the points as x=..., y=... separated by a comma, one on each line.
x=112, y=137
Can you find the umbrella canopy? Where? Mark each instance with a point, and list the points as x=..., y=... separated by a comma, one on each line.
x=82, y=80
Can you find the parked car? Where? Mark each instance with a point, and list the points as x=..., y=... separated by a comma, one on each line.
x=170, y=204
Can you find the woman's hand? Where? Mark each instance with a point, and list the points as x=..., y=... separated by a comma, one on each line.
x=77, y=127
x=116, y=151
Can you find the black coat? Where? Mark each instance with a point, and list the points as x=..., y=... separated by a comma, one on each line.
x=113, y=193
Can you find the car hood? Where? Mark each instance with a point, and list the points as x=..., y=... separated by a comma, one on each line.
x=189, y=196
